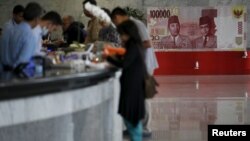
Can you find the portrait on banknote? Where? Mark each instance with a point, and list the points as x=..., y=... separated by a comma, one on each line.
x=198, y=28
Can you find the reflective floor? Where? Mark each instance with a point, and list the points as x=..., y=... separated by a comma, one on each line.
x=185, y=105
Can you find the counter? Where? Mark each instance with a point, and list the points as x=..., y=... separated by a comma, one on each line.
x=62, y=106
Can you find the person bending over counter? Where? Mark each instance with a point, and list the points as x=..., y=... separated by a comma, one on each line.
x=47, y=24
x=73, y=31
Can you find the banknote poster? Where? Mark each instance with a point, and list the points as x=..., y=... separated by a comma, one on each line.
x=198, y=28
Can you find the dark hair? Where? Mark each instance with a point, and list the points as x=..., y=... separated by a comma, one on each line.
x=79, y=24
x=173, y=19
x=205, y=20
x=129, y=28
x=118, y=11
x=107, y=11
x=18, y=9
x=32, y=11
x=54, y=17
x=90, y=1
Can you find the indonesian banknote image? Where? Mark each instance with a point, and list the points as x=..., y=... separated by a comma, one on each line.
x=198, y=28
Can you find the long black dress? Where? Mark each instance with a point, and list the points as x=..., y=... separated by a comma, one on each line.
x=131, y=106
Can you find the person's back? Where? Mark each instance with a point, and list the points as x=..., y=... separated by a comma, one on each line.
x=17, y=18
x=72, y=30
x=75, y=33
x=119, y=16
x=7, y=32
x=93, y=27
x=132, y=96
x=150, y=58
x=8, y=29
x=22, y=43
x=108, y=32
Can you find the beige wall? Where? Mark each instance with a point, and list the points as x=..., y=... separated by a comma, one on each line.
x=74, y=7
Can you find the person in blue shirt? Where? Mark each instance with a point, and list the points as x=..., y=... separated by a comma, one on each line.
x=17, y=17
x=8, y=29
x=48, y=23
x=22, y=44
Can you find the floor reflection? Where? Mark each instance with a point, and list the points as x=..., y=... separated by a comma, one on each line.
x=186, y=119
x=185, y=105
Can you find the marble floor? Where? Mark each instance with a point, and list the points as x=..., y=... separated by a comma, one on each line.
x=185, y=105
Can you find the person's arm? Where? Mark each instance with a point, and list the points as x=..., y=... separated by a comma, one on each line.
x=143, y=31
x=147, y=44
x=129, y=58
x=115, y=60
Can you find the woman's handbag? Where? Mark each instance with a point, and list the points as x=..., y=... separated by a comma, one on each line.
x=150, y=86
